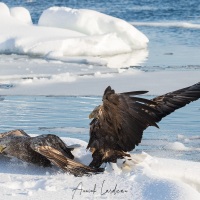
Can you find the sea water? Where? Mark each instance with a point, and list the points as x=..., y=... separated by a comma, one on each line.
x=178, y=135
x=144, y=10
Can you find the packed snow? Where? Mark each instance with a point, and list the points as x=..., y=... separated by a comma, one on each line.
x=144, y=177
x=81, y=52
x=63, y=33
x=90, y=22
x=85, y=80
x=177, y=146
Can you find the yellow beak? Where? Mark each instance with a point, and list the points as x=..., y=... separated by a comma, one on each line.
x=2, y=148
x=90, y=115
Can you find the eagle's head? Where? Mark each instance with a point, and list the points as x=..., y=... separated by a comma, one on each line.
x=95, y=113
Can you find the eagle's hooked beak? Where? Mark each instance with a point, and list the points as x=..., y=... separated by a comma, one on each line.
x=95, y=112
x=91, y=115
x=2, y=148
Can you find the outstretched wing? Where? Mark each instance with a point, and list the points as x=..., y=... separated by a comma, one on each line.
x=168, y=103
x=123, y=117
x=66, y=164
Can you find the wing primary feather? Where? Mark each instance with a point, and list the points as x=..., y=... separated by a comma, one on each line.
x=145, y=107
x=66, y=164
x=134, y=93
x=172, y=101
x=147, y=101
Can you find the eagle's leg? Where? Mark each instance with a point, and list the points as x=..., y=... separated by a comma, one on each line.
x=106, y=156
x=97, y=159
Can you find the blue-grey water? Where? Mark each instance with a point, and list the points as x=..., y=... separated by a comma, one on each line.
x=130, y=10
x=68, y=117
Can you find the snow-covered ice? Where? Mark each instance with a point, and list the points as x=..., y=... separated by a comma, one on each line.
x=90, y=22
x=83, y=80
x=65, y=32
x=146, y=177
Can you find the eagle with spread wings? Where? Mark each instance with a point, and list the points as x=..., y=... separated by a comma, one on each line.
x=116, y=129
x=117, y=125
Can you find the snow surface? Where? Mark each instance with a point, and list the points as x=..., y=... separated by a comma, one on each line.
x=144, y=177
x=178, y=146
x=65, y=32
x=92, y=23
x=58, y=79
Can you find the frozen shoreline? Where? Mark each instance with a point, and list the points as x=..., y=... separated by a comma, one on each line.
x=68, y=84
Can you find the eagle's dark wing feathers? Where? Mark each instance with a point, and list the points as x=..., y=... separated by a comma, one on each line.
x=168, y=103
x=55, y=150
x=65, y=163
x=122, y=121
x=133, y=119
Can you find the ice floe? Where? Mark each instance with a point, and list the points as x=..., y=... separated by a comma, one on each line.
x=63, y=33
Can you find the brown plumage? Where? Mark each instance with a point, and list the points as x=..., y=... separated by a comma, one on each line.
x=42, y=150
x=118, y=123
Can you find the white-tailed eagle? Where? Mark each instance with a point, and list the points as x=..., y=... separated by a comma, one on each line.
x=42, y=150
x=118, y=123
